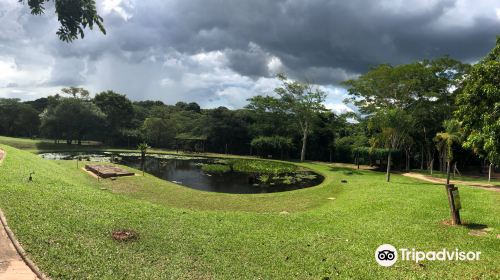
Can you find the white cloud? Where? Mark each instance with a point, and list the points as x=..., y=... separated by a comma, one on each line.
x=338, y=108
x=120, y=7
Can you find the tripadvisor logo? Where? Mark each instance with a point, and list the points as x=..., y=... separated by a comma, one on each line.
x=387, y=255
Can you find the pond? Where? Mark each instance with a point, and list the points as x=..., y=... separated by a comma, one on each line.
x=238, y=176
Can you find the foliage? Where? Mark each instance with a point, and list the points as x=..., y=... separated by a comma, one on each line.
x=261, y=166
x=298, y=101
x=215, y=168
x=119, y=112
x=266, y=145
x=445, y=140
x=74, y=16
x=479, y=107
x=158, y=131
x=71, y=119
x=391, y=126
x=143, y=147
x=18, y=119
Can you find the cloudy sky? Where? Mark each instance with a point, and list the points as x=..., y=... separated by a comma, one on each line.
x=221, y=52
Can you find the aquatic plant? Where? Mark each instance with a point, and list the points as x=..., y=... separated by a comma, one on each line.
x=215, y=168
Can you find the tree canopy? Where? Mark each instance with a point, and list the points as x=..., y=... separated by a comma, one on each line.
x=73, y=15
x=479, y=106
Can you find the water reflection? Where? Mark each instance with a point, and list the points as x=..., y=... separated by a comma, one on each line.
x=187, y=171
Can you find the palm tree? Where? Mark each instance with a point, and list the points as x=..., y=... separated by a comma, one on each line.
x=143, y=147
x=444, y=142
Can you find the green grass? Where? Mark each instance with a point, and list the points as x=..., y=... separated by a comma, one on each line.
x=64, y=219
x=442, y=175
x=44, y=145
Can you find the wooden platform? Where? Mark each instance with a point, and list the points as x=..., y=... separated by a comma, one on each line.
x=108, y=171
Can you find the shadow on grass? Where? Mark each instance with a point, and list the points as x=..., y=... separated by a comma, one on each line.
x=346, y=170
x=51, y=146
x=474, y=226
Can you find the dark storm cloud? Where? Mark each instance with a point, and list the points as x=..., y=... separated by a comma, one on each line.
x=308, y=36
x=227, y=50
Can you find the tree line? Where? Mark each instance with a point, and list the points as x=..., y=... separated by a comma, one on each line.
x=439, y=113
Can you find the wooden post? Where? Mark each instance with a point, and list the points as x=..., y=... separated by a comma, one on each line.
x=454, y=202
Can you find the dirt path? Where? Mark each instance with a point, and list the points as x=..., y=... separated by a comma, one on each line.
x=12, y=265
x=2, y=154
x=419, y=176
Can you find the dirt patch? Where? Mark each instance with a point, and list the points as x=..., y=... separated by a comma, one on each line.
x=422, y=177
x=478, y=233
x=447, y=223
x=2, y=155
x=124, y=235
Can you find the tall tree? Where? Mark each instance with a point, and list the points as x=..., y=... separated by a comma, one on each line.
x=301, y=102
x=392, y=128
x=119, y=113
x=72, y=119
x=479, y=107
x=73, y=15
x=18, y=119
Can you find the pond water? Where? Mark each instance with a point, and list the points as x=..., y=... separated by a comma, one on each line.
x=187, y=171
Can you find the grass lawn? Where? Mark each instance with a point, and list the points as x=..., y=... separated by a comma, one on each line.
x=442, y=175
x=42, y=145
x=64, y=220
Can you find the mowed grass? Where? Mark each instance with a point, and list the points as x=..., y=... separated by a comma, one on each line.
x=45, y=145
x=64, y=219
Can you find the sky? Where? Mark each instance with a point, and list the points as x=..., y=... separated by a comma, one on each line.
x=222, y=52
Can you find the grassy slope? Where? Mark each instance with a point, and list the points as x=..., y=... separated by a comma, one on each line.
x=64, y=220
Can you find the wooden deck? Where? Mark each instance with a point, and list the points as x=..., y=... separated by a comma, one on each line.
x=108, y=171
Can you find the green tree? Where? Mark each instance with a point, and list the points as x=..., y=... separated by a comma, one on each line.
x=479, y=107
x=425, y=89
x=72, y=119
x=76, y=92
x=392, y=127
x=73, y=15
x=159, y=131
x=300, y=102
x=18, y=119
x=266, y=145
x=143, y=148
x=226, y=130
x=119, y=113
x=445, y=141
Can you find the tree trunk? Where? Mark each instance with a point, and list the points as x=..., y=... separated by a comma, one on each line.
x=389, y=166
x=489, y=171
x=407, y=167
x=143, y=160
x=448, y=172
x=422, y=157
x=304, y=143
x=432, y=166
